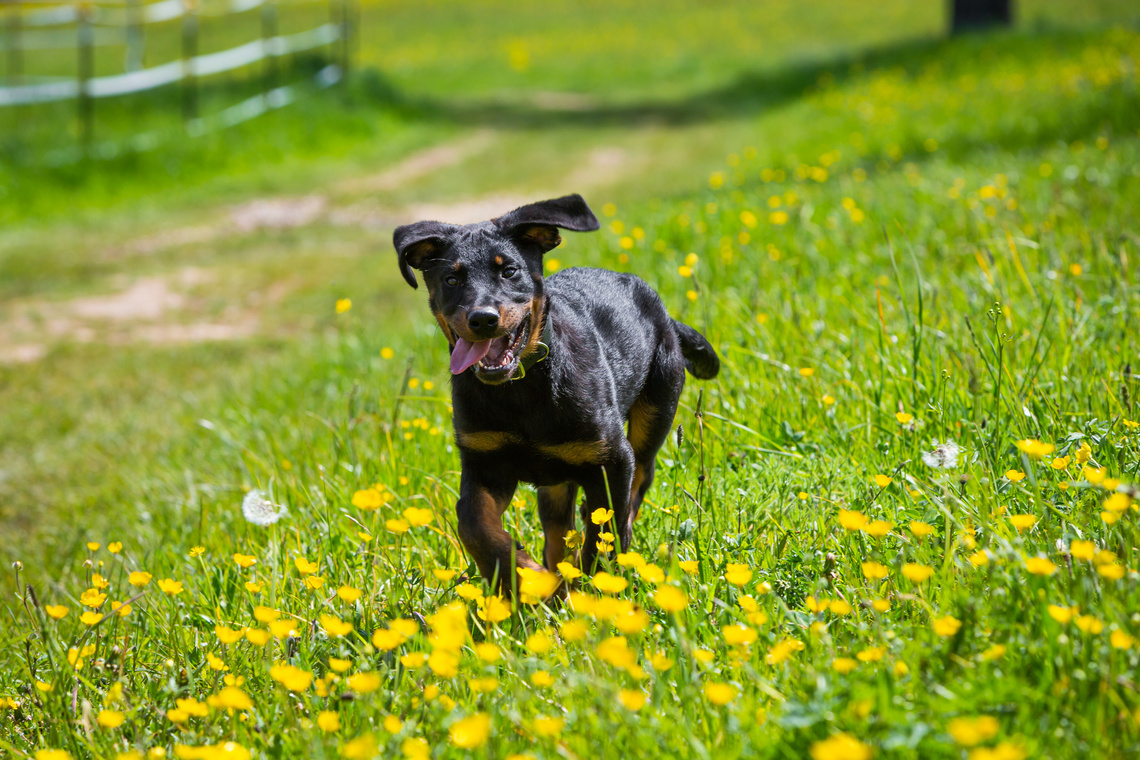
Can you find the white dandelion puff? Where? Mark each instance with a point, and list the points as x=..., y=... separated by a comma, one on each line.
x=944, y=456
x=259, y=510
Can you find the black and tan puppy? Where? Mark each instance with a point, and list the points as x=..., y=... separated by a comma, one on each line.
x=568, y=382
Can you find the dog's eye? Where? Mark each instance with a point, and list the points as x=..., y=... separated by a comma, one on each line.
x=451, y=280
x=509, y=272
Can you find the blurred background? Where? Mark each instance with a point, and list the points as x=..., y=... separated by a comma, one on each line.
x=187, y=187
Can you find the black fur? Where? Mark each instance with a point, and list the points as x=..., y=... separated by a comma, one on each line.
x=616, y=360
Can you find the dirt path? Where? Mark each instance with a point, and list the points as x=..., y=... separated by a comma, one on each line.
x=163, y=309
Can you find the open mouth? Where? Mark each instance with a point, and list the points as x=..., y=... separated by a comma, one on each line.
x=495, y=359
x=503, y=355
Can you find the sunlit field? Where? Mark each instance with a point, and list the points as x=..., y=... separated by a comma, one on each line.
x=901, y=523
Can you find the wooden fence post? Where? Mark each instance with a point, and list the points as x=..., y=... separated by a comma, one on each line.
x=268, y=32
x=84, y=72
x=189, y=53
x=135, y=40
x=15, y=44
x=345, y=36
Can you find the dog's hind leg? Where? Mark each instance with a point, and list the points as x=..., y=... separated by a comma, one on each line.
x=479, y=519
x=651, y=417
x=609, y=489
x=556, y=510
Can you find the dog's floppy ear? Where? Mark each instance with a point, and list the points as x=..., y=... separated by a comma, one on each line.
x=538, y=222
x=417, y=243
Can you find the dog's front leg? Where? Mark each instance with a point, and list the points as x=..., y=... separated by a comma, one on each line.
x=479, y=514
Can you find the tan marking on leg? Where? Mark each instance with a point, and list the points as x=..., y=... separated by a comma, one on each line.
x=642, y=415
x=638, y=479
x=578, y=452
x=489, y=545
x=486, y=440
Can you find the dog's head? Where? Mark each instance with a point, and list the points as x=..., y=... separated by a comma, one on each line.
x=484, y=280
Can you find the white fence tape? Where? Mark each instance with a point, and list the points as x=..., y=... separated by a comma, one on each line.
x=169, y=73
x=242, y=112
x=152, y=13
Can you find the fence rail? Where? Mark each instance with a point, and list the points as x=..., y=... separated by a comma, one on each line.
x=85, y=26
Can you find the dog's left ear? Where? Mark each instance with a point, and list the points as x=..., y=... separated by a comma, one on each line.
x=538, y=223
x=417, y=243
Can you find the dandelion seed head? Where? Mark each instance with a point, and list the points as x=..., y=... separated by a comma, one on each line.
x=259, y=510
x=943, y=456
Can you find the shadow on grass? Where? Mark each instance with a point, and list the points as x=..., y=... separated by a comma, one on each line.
x=755, y=93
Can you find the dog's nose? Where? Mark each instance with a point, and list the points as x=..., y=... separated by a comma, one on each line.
x=482, y=321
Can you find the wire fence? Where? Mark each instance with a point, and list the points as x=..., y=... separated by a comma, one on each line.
x=53, y=52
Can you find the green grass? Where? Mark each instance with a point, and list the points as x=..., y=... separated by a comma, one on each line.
x=925, y=243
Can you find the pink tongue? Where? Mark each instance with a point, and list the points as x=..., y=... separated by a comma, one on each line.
x=465, y=354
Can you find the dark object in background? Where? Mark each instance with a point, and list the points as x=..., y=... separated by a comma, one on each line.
x=969, y=15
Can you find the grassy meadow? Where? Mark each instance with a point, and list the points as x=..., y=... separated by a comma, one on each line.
x=901, y=523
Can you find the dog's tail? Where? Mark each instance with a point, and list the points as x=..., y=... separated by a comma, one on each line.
x=700, y=358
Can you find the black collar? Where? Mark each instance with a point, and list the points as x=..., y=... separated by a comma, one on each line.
x=543, y=351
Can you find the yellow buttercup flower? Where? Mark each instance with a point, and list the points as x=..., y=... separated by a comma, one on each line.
x=1040, y=566
x=568, y=571
x=1023, y=522
x=110, y=718
x=334, y=626
x=348, y=593
x=245, y=560
x=1084, y=550
x=841, y=746
x=916, y=573
x=291, y=677
x=418, y=516
x=548, y=727
x=874, y=570
x=1035, y=448
x=720, y=694
x=609, y=584
x=170, y=586
x=471, y=732
x=852, y=520
x=494, y=609
x=671, y=599
x=878, y=528
x=1061, y=614
x=920, y=529
x=737, y=574
x=946, y=626
x=55, y=611
x=738, y=635
x=328, y=721
x=844, y=664
x=632, y=699
x=970, y=732
x=882, y=481
x=92, y=598
x=364, y=683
